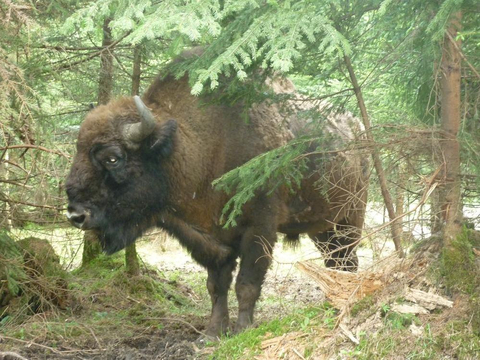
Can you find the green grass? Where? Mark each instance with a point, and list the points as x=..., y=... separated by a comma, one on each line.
x=247, y=344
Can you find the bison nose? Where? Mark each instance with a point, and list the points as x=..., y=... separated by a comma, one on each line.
x=77, y=217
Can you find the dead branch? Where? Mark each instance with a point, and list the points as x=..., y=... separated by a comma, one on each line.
x=8, y=355
x=427, y=300
x=60, y=352
x=36, y=147
x=462, y=55
x=12, y=201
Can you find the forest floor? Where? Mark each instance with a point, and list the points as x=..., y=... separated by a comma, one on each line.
x=305, y=311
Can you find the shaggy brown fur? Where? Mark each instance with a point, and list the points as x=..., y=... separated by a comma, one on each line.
x=166, y=181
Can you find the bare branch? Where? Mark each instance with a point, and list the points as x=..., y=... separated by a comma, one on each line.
x=36, y=147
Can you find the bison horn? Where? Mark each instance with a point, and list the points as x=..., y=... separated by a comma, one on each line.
x=139, y=131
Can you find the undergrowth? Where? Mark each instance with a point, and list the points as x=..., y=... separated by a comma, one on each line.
x=107, y=305
x=444, y=334
x=247, y=344
x=105, y=300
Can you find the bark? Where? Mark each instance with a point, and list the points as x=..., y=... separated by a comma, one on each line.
x=105, y=83
x=137, y=71
x=91, y=244
x=131, y=258
x=400, y=193
x=91, y=247
x=396, y=228
x=450, y=67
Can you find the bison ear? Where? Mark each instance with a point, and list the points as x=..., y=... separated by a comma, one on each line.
x=161, y=141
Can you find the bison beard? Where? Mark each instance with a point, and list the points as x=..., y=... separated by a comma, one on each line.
x=115, y=236
x=120, y=226
x=135, y=170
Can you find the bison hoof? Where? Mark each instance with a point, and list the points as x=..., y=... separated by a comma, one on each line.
x=205, y=339
x=243, y=323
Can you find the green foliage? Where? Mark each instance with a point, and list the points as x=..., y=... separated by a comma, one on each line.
x=399, y=321
x=438, y=24
x=12, y=272
x=268, y=171
x=270, y=36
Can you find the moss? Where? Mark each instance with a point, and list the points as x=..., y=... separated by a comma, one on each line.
x=461, y=272
x=366, y=303
x=102, y=266
x=458, y=266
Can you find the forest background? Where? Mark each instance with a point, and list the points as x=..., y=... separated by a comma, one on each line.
x=408, y=69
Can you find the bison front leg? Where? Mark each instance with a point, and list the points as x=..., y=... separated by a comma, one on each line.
x=218, y=283
x=255, y=260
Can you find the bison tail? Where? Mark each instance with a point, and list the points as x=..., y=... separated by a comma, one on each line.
x=291, y=241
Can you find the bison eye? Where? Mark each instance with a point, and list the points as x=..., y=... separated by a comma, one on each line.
x=111, y=160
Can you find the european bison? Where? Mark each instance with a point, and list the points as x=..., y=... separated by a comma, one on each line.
x=150, y=162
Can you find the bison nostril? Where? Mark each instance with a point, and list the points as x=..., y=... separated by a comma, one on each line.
x=78, y=219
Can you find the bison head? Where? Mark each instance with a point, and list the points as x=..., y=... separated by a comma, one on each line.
x=117, y=184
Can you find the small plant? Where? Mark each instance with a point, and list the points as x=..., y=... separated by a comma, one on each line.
x=385, y=309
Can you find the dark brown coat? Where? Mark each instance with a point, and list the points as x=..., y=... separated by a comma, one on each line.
x=122, y=187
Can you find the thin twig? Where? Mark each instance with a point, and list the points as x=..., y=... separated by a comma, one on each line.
x=298, y=354
x=30, y=343
x=57, y=208
x=36, y=147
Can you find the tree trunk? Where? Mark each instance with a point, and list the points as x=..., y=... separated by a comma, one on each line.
x=105, y=82
x=395, y=223
x=91, y=244
x=450, y=67
x=137, y=71
x=400, y=193
x=131, y=258
x=91, y=247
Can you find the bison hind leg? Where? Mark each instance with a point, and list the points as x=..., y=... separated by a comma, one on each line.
x=338, y=247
